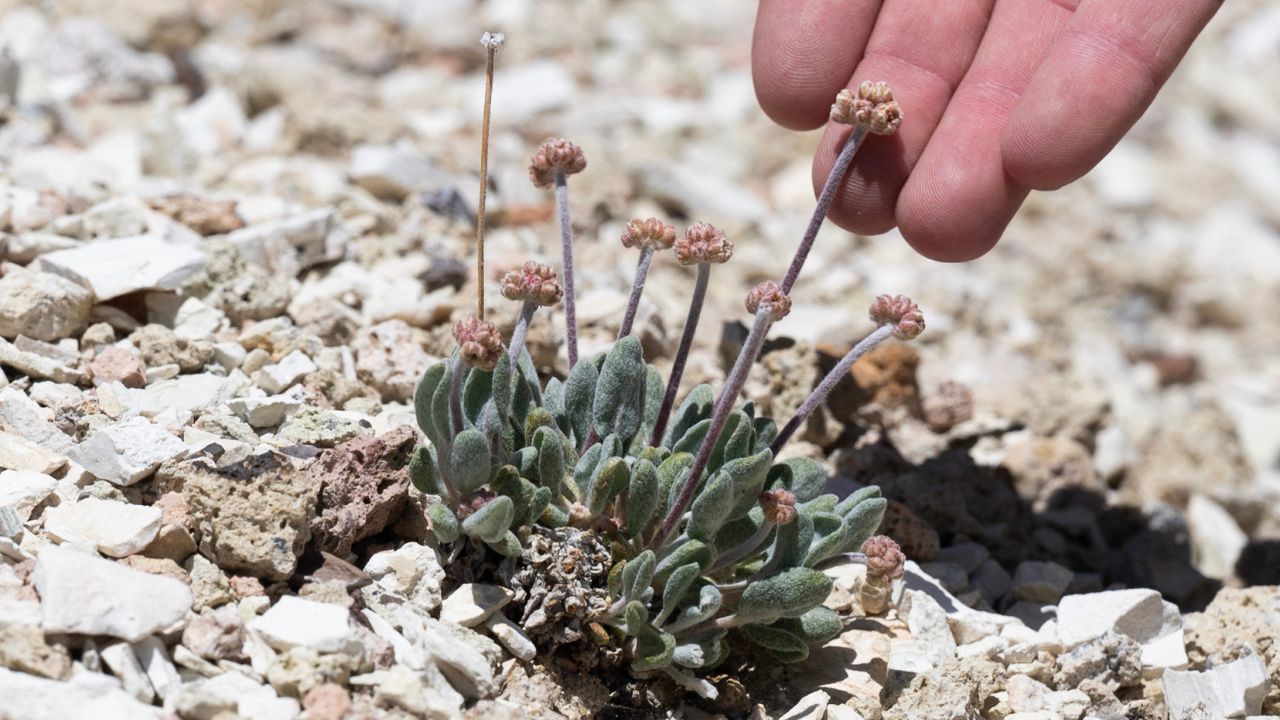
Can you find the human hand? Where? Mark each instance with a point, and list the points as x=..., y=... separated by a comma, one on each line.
x=999, y=97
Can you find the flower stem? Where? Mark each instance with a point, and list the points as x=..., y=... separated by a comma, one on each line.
x=828, y=384
x=484, y=179
x=637, y=288
x=566, y=251
x=719, y=415
x=682, y=354
x=527, y=308
x=843, y=161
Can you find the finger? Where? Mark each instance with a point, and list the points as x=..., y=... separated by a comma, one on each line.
x=802, y=54
x=959, y=198
x=1101, y=74
x=922, y=49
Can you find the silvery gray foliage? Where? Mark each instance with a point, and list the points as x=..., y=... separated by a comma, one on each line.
x=577, y=453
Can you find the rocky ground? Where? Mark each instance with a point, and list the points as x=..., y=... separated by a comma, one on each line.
x=234, y=235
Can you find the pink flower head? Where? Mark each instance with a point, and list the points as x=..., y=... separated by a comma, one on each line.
x=703, y=243
x=884, y=559
x=479, y=343
x=779, y=506
x=900, y=312
x=535, y=282
x=769, y=294
x=555, y=155
x=651, y=234
x=872, y=106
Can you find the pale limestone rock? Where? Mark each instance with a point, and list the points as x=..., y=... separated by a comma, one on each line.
x=19, y=453
x=127, y=452
x=111, y=268
x=295, y=622
x=511, y=636
x=39, y=305
x=22, y=490
x=472, y=603
x=277, y=377
x=117, y=529
x=84, y=594
x=1233, y=690
x=27, y=697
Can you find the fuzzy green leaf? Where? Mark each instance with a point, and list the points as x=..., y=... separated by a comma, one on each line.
x=815, y=627
x=579, y=396
x=822, y=503
x=476, y=391
x=734, y=442
x=701, y=651
x=610, y=478
x=711, y=507
x=501, y=386
x=642, y=497
x=618, y=404
x=748, y=474
x=828, y=538
x=507, y=545
x=554, y=517
x=651, y=404
x=709, y=601
x=692, y=438
x=690, y=551
x=742, y=530
x=843, y=507
x=671, y=474
x=440, y=415
x=793, y=541
x=862, y=522
x=790, y=593
x=695, y=409
x=550, y=459
x=586, y=468
x=653, y=647
x=422, y=399
x=491, y=521
x=469, y=461
x=804, y=477
x=637, y=575
x=678, y=585
x=782, y=645
x=422, y=471
x=537, y=506
x=765, y=432
x=443, y=522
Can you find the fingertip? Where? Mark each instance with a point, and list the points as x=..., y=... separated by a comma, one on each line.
x=1030, y=146
x=802, y=54
x=792, y=105
x=951, y=244
x=956, y=212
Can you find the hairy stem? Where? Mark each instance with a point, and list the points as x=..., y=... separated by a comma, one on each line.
x=843, y=161
x=566, y=252
x=682, y=354
x=455, y=396
x=828, y=384
x=637, y=288
x=484, y=180
x=527, y=308
x=719, y=415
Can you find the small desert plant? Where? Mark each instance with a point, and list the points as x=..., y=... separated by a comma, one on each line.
x=703, y=532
